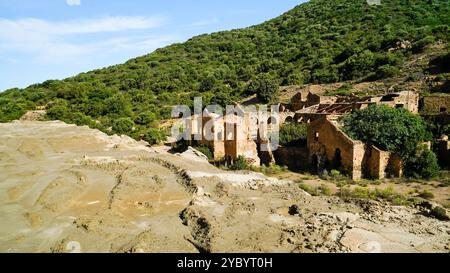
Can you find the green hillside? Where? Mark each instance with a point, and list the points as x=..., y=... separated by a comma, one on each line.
x=321, y=41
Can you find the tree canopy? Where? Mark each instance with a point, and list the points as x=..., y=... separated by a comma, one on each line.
x=391, y=129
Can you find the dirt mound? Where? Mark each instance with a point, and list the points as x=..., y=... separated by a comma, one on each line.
x=72, y=189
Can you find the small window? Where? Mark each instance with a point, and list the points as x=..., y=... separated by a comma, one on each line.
x=443, y=110
x=316, y=136
x=398, y=106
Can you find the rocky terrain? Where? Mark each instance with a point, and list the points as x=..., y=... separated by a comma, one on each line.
x=65, y=188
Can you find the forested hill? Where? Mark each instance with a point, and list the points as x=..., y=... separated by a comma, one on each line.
x=320, y=41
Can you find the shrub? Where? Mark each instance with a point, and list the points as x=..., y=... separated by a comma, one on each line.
x=271, y=169
x=205, y=150
x=423, y=164
x=387, y=71
x=292, y=134
x=240, y=164
x=154, y=136
x=387, y=194
x=145, y=118
x=324, y=189
x=426, y=195
x=422, y=43
x=123, y=125
x=311, y=190
x=265, y=87
x=58, y=110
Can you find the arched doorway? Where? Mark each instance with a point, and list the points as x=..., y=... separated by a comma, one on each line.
x=337, y=160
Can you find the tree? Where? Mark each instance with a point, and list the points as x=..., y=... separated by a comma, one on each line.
x=154, y=136
x=208, y=83
x=123, y=125
x=395, y=130
x=118, y=105
x=423, y=164
x=292, y=134
x=265, y=87
x=58, y=110
x=145, y=118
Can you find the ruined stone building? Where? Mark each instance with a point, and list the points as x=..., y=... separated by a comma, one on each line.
x=435, y=104
x=323, y=106
x=228, y=136
x=236, y=134
x=329, y=147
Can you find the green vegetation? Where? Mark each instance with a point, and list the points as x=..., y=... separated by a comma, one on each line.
x=321, y=41
x=122, y=125
x=205, y=150
x=265, y=87
x=426, y=195
x=423, y=164
x=240, y=164
x=293, y=134
x=387, y=194
x=315, y=191
x=154, y=136
x=398, y=131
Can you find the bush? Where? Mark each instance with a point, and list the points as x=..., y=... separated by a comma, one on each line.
x=311, y=190
x=422, y=43
x=240, y=164
x=145, y=118
x=123, y=126
x=58, y=110
x=271, y=169
x=423, y=164
x=292, y=134
x=387, y=71
x=154, y=136
x=387, y=194
x=206, y=151
x=265, y=87
x=426, y=195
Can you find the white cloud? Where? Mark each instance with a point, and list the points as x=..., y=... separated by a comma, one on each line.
x=71, y=41
x=105, y=24
x=73, y=2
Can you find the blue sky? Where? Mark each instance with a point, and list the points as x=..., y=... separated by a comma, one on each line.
x=55, y=39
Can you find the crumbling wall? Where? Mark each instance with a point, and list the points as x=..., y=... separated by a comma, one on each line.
x=405, y=99
x=314, y=99
x=444, y=152
x=375, y=162
x=435, y=104
x=395, y=166
x=327, y=141
x=295, y=158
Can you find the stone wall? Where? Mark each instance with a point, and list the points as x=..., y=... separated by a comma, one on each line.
x=405, y=99
x=444, y=152
x=375, y=162
x=327, y=143
x=435, y=104
x=295, y=158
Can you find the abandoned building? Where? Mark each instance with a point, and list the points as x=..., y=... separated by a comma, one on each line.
x=435, y=104
x=228, y=138
x=326, y=147
x=322, y=106
x=329, y=147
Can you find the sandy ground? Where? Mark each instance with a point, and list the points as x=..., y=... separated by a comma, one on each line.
x=72, y=189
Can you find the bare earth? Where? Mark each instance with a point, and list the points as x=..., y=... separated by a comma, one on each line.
x=68, y=189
